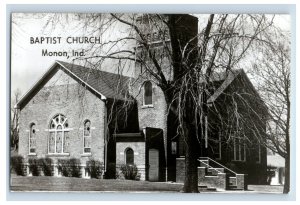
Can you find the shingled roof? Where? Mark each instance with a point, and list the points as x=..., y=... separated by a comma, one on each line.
x=110, y=85
x=115, y=86
x=107, y=85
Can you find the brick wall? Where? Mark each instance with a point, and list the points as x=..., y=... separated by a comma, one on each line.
x=139, y=155
x=154, y=116
x=63, y=95
x=151, y=116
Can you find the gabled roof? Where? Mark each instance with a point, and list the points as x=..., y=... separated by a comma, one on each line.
x=105, y=84
x=227, y=78
x=110, y=85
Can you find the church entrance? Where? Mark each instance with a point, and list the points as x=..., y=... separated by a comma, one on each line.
x=153, y=165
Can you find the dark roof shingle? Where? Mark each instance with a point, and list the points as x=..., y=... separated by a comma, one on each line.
x=110, y=85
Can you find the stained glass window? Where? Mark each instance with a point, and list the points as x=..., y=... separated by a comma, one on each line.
x=32, y=139
x=87, y=137
x=58, y=137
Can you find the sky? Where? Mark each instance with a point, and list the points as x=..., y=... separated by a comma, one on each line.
x=27, y=62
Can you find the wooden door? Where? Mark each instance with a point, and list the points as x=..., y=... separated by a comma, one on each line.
x=153, y=165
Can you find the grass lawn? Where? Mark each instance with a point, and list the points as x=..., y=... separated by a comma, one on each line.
x=266, y=188
x=43, y=183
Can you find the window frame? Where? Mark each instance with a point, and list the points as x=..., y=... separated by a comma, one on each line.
x=144, y=94
x=30, y=138
x=241, y=148
x=126, y=150
x=64, y=128
x=219, y=146
x=87, y=136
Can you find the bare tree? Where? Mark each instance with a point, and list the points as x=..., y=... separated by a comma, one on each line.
x=273, y=70
x=181, y=64
x=219, y=46
x=14, y=123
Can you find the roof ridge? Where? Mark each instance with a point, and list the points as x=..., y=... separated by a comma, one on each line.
x=95, y=69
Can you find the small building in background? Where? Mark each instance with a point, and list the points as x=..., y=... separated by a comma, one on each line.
x=276, y=172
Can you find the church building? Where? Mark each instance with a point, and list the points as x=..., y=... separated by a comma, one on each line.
x=78, y=112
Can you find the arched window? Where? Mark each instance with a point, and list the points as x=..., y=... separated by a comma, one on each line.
x=32, y=139
x=87, y=137
x=129, y=156
x=148, y=93
x=59, y=135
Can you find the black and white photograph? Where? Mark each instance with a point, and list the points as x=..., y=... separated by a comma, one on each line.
x=150, y=103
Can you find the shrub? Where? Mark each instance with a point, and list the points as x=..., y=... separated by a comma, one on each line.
x=63, y=167
x=34, y=166
x=129, y=171
x=17, y=164
x=95, y=168
x=47, y=166
x=69, y=167
x=75, y=167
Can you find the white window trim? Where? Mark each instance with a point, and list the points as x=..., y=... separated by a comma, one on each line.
x=239, y=159
x=83, y=138
x=125, y=154
x=63, y=130
x=148, y=105
x=29, y=135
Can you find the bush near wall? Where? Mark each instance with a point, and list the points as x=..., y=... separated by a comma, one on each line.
x=17, y=165
x=33, y=164
x=130, y=171
x=69, y=167
x=75, y=167
x=46, y=165
x=63, y=167
x=95, y=168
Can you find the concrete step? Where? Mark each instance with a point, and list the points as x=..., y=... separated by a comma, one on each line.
x=216, y=170
x=210, y=174
x=204, y=163
x=205, y=188
x=235, y=189
x=211, y=189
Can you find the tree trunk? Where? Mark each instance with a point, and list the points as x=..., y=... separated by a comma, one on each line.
x=286, y=188
x=191, y=168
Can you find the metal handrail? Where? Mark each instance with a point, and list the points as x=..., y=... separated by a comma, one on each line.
x=218, y=164
x=208, y=159
x=212, y=167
